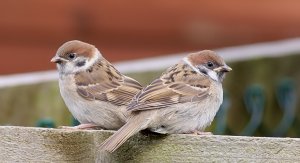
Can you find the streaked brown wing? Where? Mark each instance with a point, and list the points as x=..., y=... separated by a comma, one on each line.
x=171, y=89
x=103, y=82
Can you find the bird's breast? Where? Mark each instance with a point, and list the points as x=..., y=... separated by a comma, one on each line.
x=89, y=111
x=188, y=117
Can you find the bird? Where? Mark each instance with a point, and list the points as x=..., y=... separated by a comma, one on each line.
x=183, y=100
x=94, y=91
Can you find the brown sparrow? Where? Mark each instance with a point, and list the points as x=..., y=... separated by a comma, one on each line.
x=94, y=91
x=184, y=99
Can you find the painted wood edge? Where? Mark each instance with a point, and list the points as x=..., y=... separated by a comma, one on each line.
x=230, y=54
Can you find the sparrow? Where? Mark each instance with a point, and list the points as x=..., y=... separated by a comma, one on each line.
x=184, y=100
x=95, y=92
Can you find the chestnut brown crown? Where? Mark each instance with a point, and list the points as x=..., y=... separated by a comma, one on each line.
x=209, y=59
x=74, y=48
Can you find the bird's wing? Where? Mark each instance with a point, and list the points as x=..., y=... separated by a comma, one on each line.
x=179, y=84
x=103, y=82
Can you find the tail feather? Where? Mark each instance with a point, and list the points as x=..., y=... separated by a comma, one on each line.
x=133, y=126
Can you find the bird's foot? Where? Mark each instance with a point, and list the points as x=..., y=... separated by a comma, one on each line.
x=202, y=133
x=87, y=126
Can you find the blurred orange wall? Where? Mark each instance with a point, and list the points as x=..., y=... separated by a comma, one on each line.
x=32, y=30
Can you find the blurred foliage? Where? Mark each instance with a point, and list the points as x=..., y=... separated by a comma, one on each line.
x=267, y=72
x=26, y=105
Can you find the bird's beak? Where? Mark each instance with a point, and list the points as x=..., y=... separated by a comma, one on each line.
x=57, y=59
x=224, y=68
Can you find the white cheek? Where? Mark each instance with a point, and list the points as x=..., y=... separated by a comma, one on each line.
x=88, y=63
x=210, y=73
x=213, y=75
x=65, y=69
x=70, y=67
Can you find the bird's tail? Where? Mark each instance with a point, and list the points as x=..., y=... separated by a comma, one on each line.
x=133, y=126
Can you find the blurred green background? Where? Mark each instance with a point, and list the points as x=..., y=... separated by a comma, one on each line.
x=26, y=105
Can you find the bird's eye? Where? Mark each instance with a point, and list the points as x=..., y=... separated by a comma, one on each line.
x=71, y=55
x=210, y=64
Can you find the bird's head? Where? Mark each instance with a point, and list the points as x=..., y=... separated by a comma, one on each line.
x=74, y=56
x=208, y=63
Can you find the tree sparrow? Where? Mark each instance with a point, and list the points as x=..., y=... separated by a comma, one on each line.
x=184, y=99
x=95, y=92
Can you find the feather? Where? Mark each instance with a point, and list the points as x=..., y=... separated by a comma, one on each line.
x=171, y=88
x=133, y=126
x=103, y=82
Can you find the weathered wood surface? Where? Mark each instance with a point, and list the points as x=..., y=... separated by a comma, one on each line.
x=25, y=144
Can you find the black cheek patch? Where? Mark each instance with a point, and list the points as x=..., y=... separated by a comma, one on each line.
x=203, y=71
x=80, y=63
x=221, y=76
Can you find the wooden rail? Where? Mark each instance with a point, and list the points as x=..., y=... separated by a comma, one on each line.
x=26, y=144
